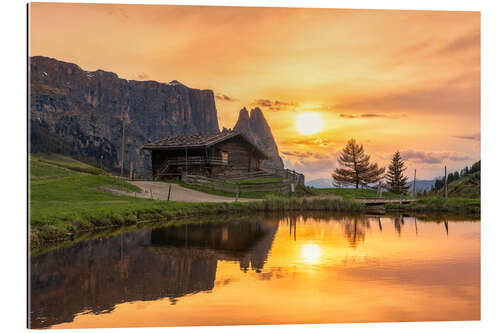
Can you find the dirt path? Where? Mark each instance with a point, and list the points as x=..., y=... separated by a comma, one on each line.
x=159, y=191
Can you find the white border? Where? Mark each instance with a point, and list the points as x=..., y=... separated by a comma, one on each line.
x=13, y=192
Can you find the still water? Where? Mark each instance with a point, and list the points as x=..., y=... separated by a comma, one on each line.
x=264, y=270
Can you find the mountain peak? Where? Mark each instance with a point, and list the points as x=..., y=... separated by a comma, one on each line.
x=244, y=114
x=256, y=128
x=175, y=83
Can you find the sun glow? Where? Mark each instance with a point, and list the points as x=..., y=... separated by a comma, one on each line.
x=310, y=253
x=308, y=123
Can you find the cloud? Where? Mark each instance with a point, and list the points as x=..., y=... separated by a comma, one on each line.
x=275, y=105
x=322, y=142
x=311, y=166
x=456, y=99
x=343, y=115
x=317, y=107
x=308, y=154
x=475, y=137
x=372, y=115
x=309, y=162
x=143, y=76
x=473, y=40
x=433, y=157
x=226, y=98
x=116, y=11
x=263, y=102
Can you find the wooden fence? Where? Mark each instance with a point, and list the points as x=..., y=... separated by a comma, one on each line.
x=290, y=175
x=232, y=186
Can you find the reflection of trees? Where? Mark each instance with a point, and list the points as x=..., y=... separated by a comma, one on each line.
x=355, y=229
x=398, y=221
x=93, y=276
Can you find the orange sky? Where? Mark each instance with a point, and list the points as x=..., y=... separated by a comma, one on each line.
x=394, y=80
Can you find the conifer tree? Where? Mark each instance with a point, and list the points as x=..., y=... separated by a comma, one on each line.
x=396, y=180
x=357, y=167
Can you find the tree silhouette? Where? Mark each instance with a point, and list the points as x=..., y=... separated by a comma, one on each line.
x=396, y=180
x=357, y=167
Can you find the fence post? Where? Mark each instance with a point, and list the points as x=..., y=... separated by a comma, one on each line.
x=169, y=190
x=445, y=183
x=415, y=184
x=237, y=192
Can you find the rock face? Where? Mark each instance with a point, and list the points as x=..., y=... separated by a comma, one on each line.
x=256, y=128
x=85, y=111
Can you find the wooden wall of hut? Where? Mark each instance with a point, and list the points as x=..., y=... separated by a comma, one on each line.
x=242, y=158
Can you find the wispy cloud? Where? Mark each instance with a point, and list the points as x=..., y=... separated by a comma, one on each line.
x=371, y=115
x=275, y=105
x=433, y=157
x=226, y=98
x=309, y=162
x=472, y=40
x=475, y=137
x=443, y=99
x=321, y=142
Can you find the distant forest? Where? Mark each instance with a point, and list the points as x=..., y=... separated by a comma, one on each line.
x=473, y=170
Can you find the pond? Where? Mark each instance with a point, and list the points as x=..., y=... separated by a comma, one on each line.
x=263, y=270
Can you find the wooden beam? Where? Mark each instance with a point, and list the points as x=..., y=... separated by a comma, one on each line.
x=445, y=182
x=123, y=145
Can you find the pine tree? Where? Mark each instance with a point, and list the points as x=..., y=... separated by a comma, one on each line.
x=396, y=180
x=357, y=167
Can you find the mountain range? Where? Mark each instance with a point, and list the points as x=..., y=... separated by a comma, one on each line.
x=78, y=112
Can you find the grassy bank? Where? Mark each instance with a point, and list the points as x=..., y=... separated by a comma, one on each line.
x=105, y=215
x=439, y=205
x=66, y=202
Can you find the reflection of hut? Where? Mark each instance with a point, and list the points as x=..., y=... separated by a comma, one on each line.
x=245, y=241
x=96, y=275
x=227, y=152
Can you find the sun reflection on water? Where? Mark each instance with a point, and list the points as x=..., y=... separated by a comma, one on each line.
x=310, y=253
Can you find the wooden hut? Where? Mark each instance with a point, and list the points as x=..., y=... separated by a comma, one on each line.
x=209, y=155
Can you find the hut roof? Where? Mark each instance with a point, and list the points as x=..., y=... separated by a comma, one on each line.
x=181, y=141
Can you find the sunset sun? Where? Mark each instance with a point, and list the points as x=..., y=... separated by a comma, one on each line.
x=308, y=123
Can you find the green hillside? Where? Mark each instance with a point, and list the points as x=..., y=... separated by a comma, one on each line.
x=467, y=186
x=67, y=199
x=66, y=196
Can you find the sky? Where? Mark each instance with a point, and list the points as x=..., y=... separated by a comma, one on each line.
x=405, y=81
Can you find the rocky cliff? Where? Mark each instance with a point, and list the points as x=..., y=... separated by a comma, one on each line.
x=256, y=128
x=85, y=111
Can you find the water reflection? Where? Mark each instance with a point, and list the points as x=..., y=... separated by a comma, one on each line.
x=171, y=262
x=398, y=270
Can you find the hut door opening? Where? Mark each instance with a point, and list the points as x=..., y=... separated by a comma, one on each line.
x=225, y=157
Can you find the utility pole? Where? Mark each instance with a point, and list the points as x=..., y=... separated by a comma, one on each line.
x=131, y=171
x=445, y=183
x=123, y=144
x=414, y=184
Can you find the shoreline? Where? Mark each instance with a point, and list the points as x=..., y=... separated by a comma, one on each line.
x=46, y=234
x=62, y=229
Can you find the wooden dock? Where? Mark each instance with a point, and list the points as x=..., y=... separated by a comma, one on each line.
x=382, y=201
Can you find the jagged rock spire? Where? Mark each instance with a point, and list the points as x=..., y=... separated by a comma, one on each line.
x=256, y=128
